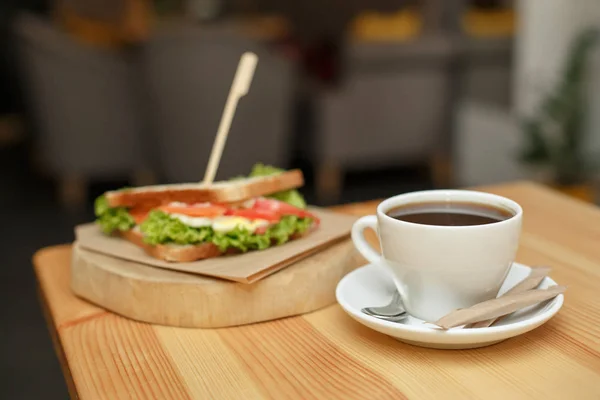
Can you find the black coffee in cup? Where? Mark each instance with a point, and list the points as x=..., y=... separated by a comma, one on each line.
x=451, y=213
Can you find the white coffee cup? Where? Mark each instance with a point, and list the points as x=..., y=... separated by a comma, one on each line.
x=438, y=269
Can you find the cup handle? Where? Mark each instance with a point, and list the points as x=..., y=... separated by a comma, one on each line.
x=358, y=237
x=368, y=252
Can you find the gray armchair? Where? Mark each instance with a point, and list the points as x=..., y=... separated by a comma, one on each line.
x=391, y=109
x=188, y=70
x=85, y=105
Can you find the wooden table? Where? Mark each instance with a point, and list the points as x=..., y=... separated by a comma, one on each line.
x=327, y=355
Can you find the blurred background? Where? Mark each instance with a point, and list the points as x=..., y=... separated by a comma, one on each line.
x=369, y=98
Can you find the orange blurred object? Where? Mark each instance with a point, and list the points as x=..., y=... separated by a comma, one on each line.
x=489, y=23
x=401, y=25
x=107, y=23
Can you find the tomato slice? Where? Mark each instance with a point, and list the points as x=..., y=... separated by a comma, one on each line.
x=138, y=215
x=254, y=214
x=281, y=208
x=195, y=210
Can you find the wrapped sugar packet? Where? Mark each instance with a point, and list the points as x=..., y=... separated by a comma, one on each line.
x=532, y=281
x=498, y=307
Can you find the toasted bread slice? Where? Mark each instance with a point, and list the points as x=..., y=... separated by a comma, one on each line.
x=218, y=192
x=172, y=252
x=184, y=253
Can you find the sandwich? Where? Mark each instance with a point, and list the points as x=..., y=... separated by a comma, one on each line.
x=189, y=222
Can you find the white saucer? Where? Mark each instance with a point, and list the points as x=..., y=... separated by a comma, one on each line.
x=371, y=285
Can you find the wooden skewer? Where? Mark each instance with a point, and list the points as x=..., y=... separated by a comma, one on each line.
x=239, y=88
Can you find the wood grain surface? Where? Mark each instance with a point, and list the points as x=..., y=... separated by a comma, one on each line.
x=327, y=355
x=174, y=298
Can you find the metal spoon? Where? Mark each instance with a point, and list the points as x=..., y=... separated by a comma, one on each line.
x=392, y=312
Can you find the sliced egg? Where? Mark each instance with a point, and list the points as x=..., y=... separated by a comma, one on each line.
x=227, y=224
x=194, y=222
x=258, y=223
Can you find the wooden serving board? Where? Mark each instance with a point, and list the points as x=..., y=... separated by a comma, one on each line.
x=166, y=297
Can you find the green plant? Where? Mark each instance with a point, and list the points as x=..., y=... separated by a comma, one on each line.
x=554, y=137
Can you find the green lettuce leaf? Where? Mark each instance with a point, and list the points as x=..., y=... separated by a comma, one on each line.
x=160, y=228
x=291, y=196
x=241, y=239
x=111, y=219
x=261, y=169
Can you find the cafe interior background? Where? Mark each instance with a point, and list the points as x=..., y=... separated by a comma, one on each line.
x=370, y=98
